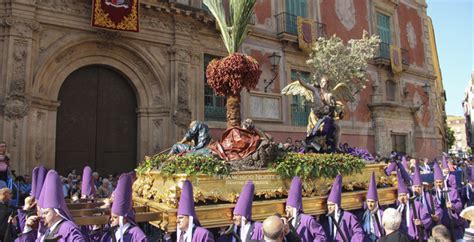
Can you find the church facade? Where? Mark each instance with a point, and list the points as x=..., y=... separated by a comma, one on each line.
x=73, y=95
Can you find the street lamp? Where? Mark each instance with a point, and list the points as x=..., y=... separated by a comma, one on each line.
x=274, y=61
x=426, y=88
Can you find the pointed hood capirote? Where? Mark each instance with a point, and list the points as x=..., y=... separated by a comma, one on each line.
x=88, y=186
x=122, y=204
x=186, y=202
x=372, y=192
x=243, y=206
x=40, y=178
x=444, y=163
x=52, y=195
x=402, y=187
x=295, y=199
x=34, y=178
x=416, y=180
x=336, y=190
x=438, y=174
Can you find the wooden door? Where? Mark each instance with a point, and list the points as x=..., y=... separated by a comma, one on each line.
x=96, y=122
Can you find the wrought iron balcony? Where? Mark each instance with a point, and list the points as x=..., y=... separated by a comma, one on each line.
x=384, y=54
x=299, y=114
x=287, y=23
x=405, y=57
x=212, y=113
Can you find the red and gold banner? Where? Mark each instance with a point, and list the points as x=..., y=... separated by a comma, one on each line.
x=396, y=59
x=115, y=14
x=306, y=33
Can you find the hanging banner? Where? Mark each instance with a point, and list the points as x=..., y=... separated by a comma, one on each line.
x=115, y=14
x=396, y=59
x=306, y=33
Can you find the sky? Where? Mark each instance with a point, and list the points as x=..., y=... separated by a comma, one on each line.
x=453, y=22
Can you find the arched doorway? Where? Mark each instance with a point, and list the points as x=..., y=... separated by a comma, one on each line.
x=96, y=122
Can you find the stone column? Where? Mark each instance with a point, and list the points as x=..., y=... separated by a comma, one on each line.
x=17, y=57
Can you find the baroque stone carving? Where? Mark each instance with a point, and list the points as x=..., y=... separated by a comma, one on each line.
x=345, y=11
x=15, y=106
x=79, y=7
x=20, y=27
x=182, y=115
x=156, y=22
x=38, y=144
x=180, y=53
x=156, y=135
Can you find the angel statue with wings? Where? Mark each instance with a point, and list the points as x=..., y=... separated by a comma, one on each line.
x=339, y=73
x=323, y=131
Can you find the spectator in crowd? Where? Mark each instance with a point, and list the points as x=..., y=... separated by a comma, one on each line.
x=97, y=180
x=440, y=233
x=424, y=166
x=66, y=186
x=5, y=215
x=391, y=221
x=105, y=190
x=273, y=229
x=4, y=162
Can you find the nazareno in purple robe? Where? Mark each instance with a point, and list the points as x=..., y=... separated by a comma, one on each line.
x=255, y=233
x=368, y=222
x=422, y=214
x=308, y=229
x=434, y=208
x=200, y=234
x=133, y=234
x=467, y=195
x=27, y=237
x=68, y=232
x=349, y=225
x=458, y=223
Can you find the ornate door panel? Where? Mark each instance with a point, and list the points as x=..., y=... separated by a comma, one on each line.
x=96, y=122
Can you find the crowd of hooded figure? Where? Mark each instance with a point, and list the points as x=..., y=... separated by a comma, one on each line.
x=45, y=215
x=419, y=214
x=418, y=211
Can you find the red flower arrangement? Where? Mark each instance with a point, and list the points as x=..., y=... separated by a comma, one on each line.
x=229, y=75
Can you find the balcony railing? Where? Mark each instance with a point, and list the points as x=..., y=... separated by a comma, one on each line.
x=299, y=114
x=384, y=53
x=287, y=23
x=405, y=57
x=212, y=113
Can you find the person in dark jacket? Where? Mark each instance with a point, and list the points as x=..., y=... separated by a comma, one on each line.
x=391, y=221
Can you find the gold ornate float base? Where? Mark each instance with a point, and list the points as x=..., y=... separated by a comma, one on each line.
x=215, y=196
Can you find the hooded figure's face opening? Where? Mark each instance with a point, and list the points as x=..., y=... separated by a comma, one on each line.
x=114, y=220
x=371, y=204
x=331, y=207
x=403, y=198
x=417, y=189
x=183, y=222
x=49, y=217
x=439, y=184
x=237, y=219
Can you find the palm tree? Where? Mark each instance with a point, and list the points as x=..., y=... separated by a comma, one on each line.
x=229, y=75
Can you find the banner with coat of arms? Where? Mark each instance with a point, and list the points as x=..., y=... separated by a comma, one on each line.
x=396, y=59
x=115, y=14
x=306, y=33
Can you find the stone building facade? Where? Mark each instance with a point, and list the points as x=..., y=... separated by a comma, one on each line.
x=51, y=57
x=468, y=107
x=458, y=125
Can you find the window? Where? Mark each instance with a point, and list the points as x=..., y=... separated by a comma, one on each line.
x=390, y=90
x=300, y=109
x=383, y=28
x=294, y=8
x=399, y=143
x=214, y=106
